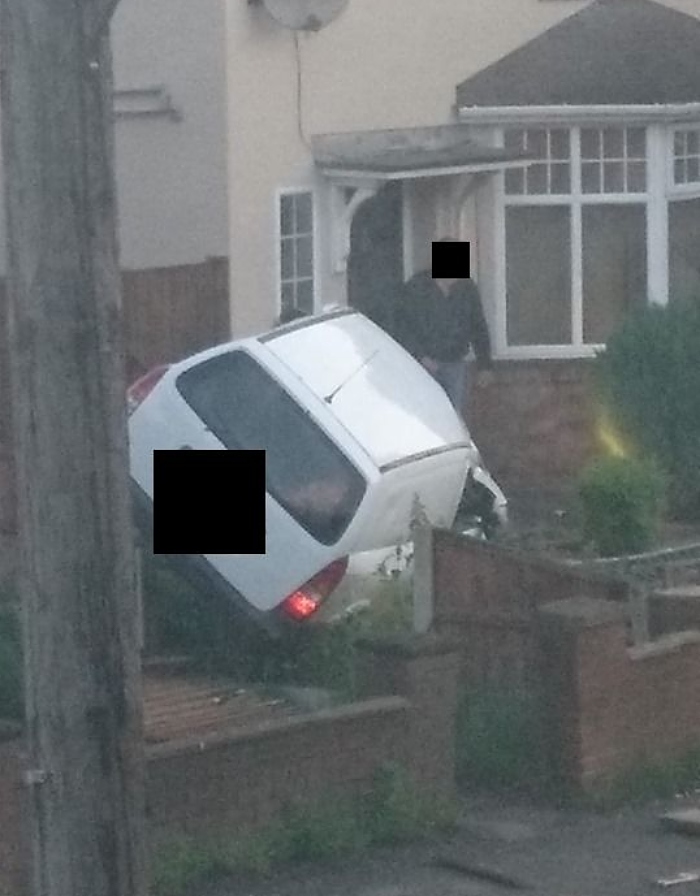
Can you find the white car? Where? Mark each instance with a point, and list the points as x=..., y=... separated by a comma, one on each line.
x=359, y=440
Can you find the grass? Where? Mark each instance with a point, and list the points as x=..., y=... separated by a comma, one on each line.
x=393, y=812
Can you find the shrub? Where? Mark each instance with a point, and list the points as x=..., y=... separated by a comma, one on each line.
x=649, y=383
x=621, y=505
x=499, y=742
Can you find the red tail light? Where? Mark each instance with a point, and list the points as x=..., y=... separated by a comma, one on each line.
x=143, y=386
x=304, y=602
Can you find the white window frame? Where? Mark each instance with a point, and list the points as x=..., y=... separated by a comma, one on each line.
x=654, y=199
x=679, y=191
x=295, y=191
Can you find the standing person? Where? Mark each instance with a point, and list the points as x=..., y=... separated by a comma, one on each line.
x=439, y=320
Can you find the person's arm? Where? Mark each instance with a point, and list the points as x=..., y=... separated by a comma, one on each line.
x=479, y=331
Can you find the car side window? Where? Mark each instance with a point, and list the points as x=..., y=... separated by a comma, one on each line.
x=246, y=408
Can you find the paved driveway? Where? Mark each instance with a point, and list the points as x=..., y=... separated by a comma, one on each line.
x=503, y=848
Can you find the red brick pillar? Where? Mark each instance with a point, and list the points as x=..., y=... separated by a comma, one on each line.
x=583, y=643
x=425, y=670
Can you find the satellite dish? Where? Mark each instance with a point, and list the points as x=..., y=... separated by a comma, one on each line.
x=304, y=15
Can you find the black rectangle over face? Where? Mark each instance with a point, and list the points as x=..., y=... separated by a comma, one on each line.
x=451, y=260
x=208, y=502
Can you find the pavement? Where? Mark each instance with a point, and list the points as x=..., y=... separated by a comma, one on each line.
x=503, y=848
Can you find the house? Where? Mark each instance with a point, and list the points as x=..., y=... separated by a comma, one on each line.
x=560, y=137
x=169, y=73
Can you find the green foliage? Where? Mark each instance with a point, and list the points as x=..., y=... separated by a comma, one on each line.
x=622, y=500
x=649, y=382
x=11, y=696
x=499, y=743
x=392, y=812
x=184, y=863
x=647, y=781
x=396, y=812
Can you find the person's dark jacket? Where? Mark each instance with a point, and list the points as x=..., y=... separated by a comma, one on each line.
x=442, y=327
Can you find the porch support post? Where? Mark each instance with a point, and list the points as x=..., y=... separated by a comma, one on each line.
x=657, y=211
x=342, y=212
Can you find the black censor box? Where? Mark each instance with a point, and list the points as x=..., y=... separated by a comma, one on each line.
x=208, y=502
x=451, y=260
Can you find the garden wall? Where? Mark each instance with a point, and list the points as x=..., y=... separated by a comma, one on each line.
x=488, y=598
x=608, y=707
x=612, y=708
x=535, y=424
x=245, y=778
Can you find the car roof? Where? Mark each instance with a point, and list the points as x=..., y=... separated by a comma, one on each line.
x=372, y=385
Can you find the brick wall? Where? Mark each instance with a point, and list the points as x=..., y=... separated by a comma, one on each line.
x=535, y=424
x=614, y=708
x=565, y=634
x=675, y=609
x=488, y=596
x=245, y=778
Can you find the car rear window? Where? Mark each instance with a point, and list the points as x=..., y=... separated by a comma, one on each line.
x=245, y=408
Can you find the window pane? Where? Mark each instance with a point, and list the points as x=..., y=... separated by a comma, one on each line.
x=305, y=296
x=537, y=179
x=559, y=144
x=305, y=472
x=537, y=143
x=692, y=142
x=684, y=259
x=679, y=171
x=693, y=169
x=678, y=143
x=560, y=181
x=287, y=259
x=612, y=143
x=538, y=264
x=590, y=143
x=636, y=177
x=590, y=177
x=287, y=296
x=514, y=139
x=636, y=143
x=613, y=175
x=287, y=214
x=304, y=256
x=514, y=180
x=304, y=211
x=614, y=266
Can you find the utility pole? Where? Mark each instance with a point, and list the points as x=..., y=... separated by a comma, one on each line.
x=77, y=579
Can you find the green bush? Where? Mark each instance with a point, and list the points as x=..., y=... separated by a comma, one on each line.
x=499, y=742
x=649, y=384
x=622, y=502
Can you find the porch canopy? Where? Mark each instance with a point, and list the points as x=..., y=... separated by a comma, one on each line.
x=406, y=153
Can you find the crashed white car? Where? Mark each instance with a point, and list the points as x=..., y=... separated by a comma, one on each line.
x=358, y=438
